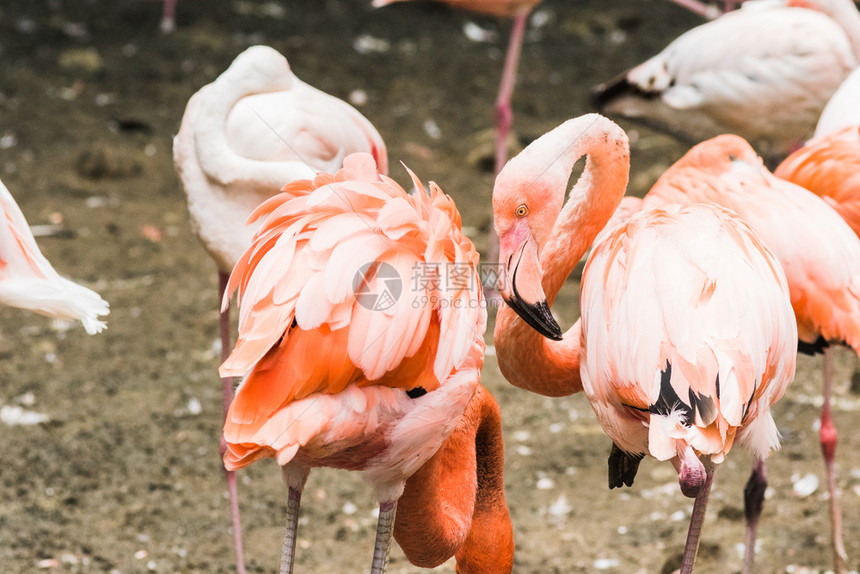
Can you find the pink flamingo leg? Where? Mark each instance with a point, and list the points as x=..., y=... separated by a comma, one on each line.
x=504, y=114
x=227, y=388
x=384, y=529
x=753, y=502
x=697, y=520
x=701, y=8
x=828, y=449
x=168, y=22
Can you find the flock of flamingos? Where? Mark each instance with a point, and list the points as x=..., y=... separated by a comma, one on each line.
x=694, y=300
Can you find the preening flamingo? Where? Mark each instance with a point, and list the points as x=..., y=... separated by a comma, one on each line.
x=819, y=252
x=361, y=322
x=686, y=336
x=28, y=281
x=245, y=135
x=763, y=72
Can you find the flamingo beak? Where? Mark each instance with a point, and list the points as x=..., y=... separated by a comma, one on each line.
x=521, y=286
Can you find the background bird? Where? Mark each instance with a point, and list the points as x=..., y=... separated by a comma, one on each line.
x=763, y=72
x=348, y=370
x=242, y=137
x=817, y=249
x=713, y=300
x=28, y=281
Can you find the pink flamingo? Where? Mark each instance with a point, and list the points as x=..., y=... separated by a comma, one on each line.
x=687, y=335
x=763, y=72
x=28, y=281
x=349, y=370
x=821, y=257
x=253, y=129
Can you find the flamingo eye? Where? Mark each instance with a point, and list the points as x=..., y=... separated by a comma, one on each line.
x=732, y=157
x=522, y=211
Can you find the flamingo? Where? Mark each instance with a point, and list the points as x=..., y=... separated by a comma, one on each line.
x=821, y=257
x=764, y=72
x=242, y=137
x=28, y=281
x=686, y=335
x=348, y=369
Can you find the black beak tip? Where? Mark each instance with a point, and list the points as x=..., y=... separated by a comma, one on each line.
x=538, y=317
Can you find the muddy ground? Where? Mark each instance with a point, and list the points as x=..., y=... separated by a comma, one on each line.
x=125, y=477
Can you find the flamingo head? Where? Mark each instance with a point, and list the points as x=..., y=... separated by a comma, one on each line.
x=522, y=222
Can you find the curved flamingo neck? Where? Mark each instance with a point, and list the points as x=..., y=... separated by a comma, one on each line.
x=455, y=503
x=526, y=358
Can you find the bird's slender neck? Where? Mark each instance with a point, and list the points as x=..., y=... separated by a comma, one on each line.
x=455, y=503
x=526, y=358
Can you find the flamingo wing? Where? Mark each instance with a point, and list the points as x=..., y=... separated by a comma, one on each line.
x=696, y=337
x=28, y=281
x=351, y=280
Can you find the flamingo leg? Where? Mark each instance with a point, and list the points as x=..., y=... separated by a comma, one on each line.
x=384, y=528
x=227, y=388
x=700, y=8
x=753, y=501
x=697, y=520
x=295, y=476
x=168, y=22
x=505, y=115
x=828, y=448
x=288, y=552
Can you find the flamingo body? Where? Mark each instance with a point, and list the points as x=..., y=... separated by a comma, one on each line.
x=332, y=377
x=28, y=281
x=720, y=340
x=252, y=130
x=764, y=72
